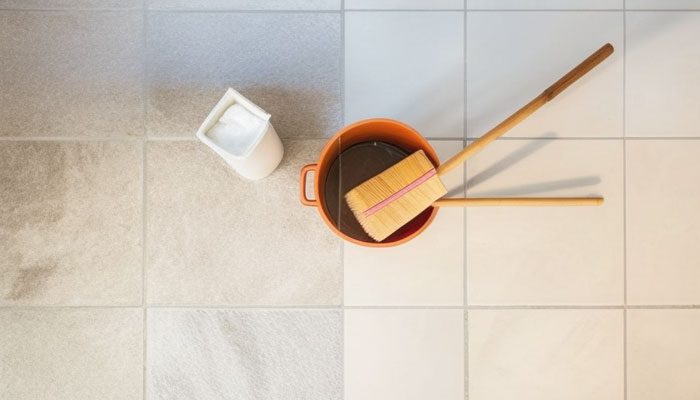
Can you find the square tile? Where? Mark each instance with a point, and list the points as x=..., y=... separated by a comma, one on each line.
x=546, y=354
x=71, y=354
x=70, y=223
x=404, y=354
x=244, y=4
x=71, y=73
x=544, y=4
x=663, y=60
x=69, y=4
x=407, y=66
x=252, y=354
x=546, y=255
x=288, y=64
x=662, y=4
x=216, y=238
x=663, y=356
x=428, y=270
x=404, y=4
x=663, y=223
x=512, y=57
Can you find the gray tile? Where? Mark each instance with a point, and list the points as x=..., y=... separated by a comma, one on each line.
x=255, y=355
x=69, y=4
x=71, y=73
x=48, y=354
x=215, y=238
x=70, y=223
x=404, y=4
x=244, y=4
x=289, y=64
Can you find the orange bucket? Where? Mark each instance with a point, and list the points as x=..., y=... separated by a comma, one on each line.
x=383, y=130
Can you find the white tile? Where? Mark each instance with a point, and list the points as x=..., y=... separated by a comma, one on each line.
x=663, y=356
x=545, y=354
x=663, y=59
x=407, y=66
x=404, y=354
x=662, y=4
x=663, y=223
x=512, y=57
x=428, y=270
x=543, y=4
x=244, y=4
x=546, y=255
x=404, y=4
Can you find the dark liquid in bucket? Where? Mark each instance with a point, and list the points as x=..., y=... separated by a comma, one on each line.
x=353, y=166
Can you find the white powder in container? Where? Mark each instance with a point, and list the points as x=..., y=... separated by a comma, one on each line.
x=237, y=130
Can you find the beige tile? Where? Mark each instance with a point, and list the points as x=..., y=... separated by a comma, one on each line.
x=661, y=72
x=663, y=223
x=404, y=354
x=71, y=73
x=545, y=354
x=428, y=270
x=70, y=223
x=85, y=354
x=244, y=4
x=214, y=238
x=663, y=356
x=288, y=64
x=250, y=354
x=546, y=255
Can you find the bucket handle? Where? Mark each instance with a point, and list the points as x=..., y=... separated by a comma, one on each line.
x=302, y=185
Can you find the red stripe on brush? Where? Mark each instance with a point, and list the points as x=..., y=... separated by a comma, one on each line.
x=400, y=193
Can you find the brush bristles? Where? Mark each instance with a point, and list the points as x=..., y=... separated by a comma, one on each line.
x=382, y=222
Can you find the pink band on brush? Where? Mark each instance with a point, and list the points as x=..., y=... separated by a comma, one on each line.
x=400, y=193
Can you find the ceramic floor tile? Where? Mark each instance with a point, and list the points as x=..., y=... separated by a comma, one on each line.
x=404, y=354
x=662, y=4
x=215, y=238
x=71, y=354
x=663, y=356
x=69, y=4
x=661, y=71
x=245, y=4
x=407, y=66
x=70, y=223
x=544, y=4
x=71, y=73
x=513, y=56
x=545, y=354
x=288, y=64
x=546, y=255
x=252, y=354
x=662, y=222
x=404, y=4
x=425, y=271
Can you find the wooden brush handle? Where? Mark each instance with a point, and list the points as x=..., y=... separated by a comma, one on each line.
x=549, y=93
x=519, y=201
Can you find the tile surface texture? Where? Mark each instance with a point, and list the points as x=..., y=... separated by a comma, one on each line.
x=407, y=66
x=513, y=56
x=404, y=354
x=662, y=4
x=545, y=354
x=70, y=223
x=215, y=238
x=663, y=223
x=404, y=4
x=71, y=74
x=544, y=4
x=71, y=354
x=288, y=64
x=546, y=255
x=244, y=4
x=425, y=271
x=661, y=100
x=252, y=355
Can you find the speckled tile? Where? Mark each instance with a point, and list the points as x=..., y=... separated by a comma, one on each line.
x=289, y=64
x=543, y=4
x=86, y=354
x=71, y=73
x=404, y=4
x=244, y=4
x=252, y=354
x=70, y=223
x=69, y=4
x=214, y=238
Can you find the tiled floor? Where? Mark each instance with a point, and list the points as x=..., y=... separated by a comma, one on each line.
x=134, y=264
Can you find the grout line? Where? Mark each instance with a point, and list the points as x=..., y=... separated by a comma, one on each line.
x=144, y=96
x=340, y=185
x=251, y=306
x=545, y=307
x=237, y=11
x=624, y=199
x=465, y=291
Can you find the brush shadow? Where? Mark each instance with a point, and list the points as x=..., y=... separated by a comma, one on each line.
x=543, y=187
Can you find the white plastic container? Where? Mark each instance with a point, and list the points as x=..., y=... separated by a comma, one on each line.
x=244, y=137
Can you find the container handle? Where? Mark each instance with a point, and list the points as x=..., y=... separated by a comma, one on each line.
x=302, y=185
